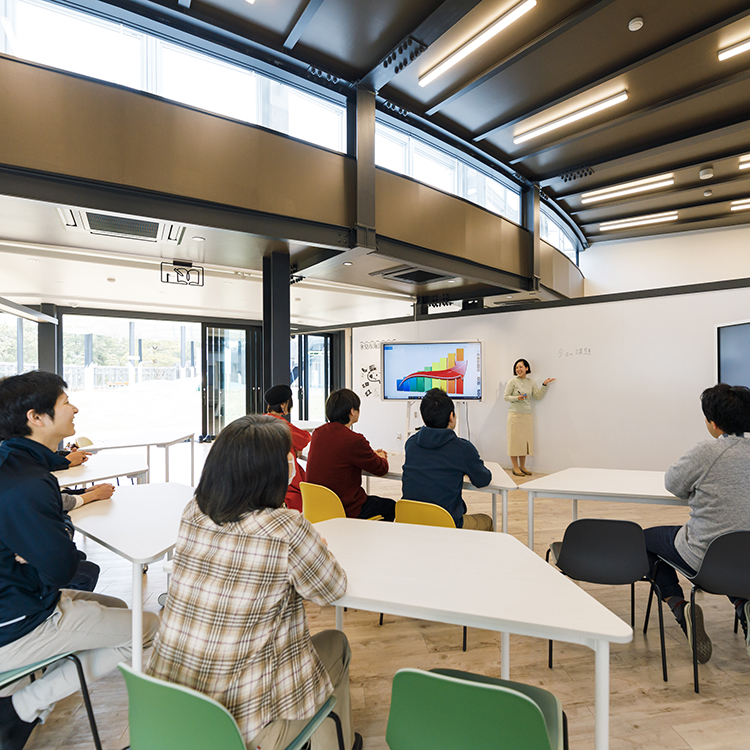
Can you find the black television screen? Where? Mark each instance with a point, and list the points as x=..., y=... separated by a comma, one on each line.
x=734, y=354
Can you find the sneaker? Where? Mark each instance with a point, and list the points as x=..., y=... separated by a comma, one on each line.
x=703, y=647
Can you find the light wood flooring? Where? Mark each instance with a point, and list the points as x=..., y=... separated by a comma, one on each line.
x=645, y=712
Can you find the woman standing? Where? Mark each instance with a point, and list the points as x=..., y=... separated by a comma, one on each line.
x=520, y=420
x=234, y=625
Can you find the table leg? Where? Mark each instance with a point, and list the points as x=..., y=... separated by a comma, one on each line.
x=505, y=655
x=494, y=512
x=192, y=461
x=367, y=484
x=166, y=463
x=531, y=520
x=601, y=704
x=137, y=617
x=340, y=618
x=575, y=510
x=505, y=511
x=148, y=463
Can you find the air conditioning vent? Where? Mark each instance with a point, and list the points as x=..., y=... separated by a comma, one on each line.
x=120, y=226
x=413, y=275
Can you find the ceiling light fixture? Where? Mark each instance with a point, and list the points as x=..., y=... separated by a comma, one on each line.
x=637, y=221
x=635, y=24
x=706, y=174
x=572, y=117
x=347, y=263
x=627, y=188
x=745, y=162
x=741, y=205
x=484, y=36
x=25, y=312
x=735, y=49
x=199, y=239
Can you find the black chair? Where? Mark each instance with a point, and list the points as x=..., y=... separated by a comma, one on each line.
x=599, y=550
x=725, y=570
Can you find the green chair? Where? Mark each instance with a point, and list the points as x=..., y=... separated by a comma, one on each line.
x=14, y=675
x=166, y=716
x=446, y=709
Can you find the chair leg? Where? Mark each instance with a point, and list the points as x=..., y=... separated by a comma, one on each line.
x=86, y=699
x=549, y=658
x=648, y=607
x=339, y=730
x=632, y=605
x=661, y=631
x=736, y=621
x=565, y=731
x=695, y=642
x=381, y=618
x=465, y=632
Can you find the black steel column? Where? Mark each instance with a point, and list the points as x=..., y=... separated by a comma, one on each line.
x=365, y=146
x=276, y=319
x=49, y=343
x=532, y=220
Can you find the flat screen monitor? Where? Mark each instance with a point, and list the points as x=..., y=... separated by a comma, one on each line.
x=411, y=369
x=734, y=354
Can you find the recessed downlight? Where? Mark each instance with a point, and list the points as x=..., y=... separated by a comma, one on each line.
x=347, y=263
x=199, y=239
x=635, y=24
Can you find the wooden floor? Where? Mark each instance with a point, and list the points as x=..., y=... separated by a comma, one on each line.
x=645, y=712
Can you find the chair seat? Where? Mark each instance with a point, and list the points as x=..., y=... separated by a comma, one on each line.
x=12, y=675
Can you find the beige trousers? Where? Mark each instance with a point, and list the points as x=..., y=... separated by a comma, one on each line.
x=479, y=521
x=98, y=628
x=333, y=650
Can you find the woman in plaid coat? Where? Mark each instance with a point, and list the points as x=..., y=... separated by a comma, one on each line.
x=234, y=625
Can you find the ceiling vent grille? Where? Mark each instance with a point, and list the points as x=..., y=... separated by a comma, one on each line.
x=125, y=227
x=414, y=275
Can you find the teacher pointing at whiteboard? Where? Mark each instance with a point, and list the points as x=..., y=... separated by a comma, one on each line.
x=520, y=421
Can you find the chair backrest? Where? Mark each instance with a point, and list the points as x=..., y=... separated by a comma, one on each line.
x=425, y=514
x=319, y=503
x=601, y=550
x=726, y=566
x=165, y=716
x=445, y=713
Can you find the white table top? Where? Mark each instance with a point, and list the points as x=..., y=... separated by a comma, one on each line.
x=501, y=480
x=102, y=467
x=139, y=522
x=141, y=439
x=606, y=482
x=464, y=577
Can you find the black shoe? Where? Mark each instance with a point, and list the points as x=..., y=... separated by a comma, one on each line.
x=13, y=730
x=743, y=610
x=703, y=647
x=358, y=742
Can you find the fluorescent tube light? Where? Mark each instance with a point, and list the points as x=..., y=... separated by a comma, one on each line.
x=745, y=162
x=637, y=221
x=741, y=205
x=736, y=49
x=484, y=36
x=25, y=312
x=572, y=117
x=627, y=188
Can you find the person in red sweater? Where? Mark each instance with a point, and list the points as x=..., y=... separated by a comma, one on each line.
x=279, y=400
x=338, y=456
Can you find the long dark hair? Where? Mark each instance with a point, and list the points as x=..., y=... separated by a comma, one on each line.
x=246, y=469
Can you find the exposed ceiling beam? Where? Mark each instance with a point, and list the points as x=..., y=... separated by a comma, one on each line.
x=533, y=46
x=412, y=45
x=630, y=157
x=637, y=114
x=310, y=9
x=615, y=72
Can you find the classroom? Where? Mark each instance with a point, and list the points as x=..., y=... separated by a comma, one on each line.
x=201, y=199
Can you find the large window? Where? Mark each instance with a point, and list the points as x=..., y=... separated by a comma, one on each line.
x=18, y=345
x=409, y=155
x=552, y=230
x=73, y=41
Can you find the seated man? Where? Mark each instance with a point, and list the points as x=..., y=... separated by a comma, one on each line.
x=338, y=456
x=714, y=477
x=279, y=401
x=437, y=460
x=39, y=618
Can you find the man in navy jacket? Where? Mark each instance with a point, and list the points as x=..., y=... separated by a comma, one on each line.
x=38, y=617
x=437, y=460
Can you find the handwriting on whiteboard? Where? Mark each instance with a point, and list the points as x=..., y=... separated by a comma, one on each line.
x=581, y=351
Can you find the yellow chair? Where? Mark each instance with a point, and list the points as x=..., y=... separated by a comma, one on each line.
x=425, y=514
x=83, y=442
x=319, y=503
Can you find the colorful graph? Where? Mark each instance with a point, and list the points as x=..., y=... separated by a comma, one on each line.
x=447, y=374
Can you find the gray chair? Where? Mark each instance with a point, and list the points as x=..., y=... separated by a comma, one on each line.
x=600, y=550
x=725, y=570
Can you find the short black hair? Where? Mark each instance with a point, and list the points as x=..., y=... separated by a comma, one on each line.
x=728, y=406
x=35, y=390
x=340, y=404
x=436, y=408
x=246, y=469
x=526, y=363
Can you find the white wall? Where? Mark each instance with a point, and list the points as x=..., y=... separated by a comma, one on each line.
x=668, y=260
x=632, y=402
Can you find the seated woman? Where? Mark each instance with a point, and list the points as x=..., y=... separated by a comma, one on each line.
x=234, y=625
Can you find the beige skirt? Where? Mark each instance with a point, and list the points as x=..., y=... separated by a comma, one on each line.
x=520, y=434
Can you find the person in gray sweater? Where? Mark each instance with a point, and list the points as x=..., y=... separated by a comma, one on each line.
x=714, y=477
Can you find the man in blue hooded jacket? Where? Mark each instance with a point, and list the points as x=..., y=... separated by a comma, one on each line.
x=39, y=617
x=437, y=460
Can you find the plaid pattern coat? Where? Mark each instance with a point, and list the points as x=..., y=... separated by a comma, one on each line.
x=234, y=625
